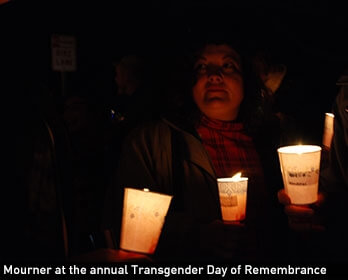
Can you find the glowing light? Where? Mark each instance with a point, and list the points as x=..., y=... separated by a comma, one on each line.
x=300, y=166
x=237, y=176
x=142, y=220
x=233, y=197
x=299, y=149
x=328, y=130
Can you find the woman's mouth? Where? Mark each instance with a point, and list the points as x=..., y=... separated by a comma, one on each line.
x=215, y=94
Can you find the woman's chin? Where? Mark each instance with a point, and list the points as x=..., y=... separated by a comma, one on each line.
x=222, y=115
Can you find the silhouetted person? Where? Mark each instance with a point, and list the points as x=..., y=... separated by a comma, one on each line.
x=35, y=230
x=87, y=134
x=133, y=102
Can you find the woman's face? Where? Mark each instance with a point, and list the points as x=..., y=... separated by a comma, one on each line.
x=218, y=91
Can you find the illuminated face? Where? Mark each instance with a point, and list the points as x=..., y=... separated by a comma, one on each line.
x=218, y=91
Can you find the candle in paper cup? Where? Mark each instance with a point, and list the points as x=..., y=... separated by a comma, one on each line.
x=328, y=129
x=233, y=197
x=300, y=170
x=142, y=220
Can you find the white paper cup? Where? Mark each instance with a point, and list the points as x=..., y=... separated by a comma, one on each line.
x=143, y=218
x=300, y=170
x=233, y=198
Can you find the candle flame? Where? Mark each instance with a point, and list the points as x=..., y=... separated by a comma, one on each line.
x=299, y=149
x=237, y=176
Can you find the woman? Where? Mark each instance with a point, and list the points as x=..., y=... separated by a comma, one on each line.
x=216, y=128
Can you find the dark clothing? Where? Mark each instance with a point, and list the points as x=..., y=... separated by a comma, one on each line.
x=35, y=231
x=128, y=111
x=336, y=176
x=166, y=158
x=334, y=179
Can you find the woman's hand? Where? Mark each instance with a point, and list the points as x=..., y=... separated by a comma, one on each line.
x=302, y=217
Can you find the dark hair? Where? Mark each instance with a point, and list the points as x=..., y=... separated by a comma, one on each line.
x=256, y=104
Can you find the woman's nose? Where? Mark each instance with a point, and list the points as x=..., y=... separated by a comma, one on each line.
x=215, y=77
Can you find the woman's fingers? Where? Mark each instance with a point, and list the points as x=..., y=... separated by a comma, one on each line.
x=283, y=197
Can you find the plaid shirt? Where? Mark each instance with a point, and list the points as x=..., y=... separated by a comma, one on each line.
x=230, y=149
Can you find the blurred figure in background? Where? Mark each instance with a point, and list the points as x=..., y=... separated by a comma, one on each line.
x=35, y=219
x=274, y=76
x=337, y=173
x=83, y=117
x=271, y=73
x=133, y=102
x=334, y=179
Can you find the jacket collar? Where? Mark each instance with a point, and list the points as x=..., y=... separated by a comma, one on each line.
x=196, y=152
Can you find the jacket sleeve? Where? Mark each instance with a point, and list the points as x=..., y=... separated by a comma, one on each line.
x=145, y=162
x=146, y=159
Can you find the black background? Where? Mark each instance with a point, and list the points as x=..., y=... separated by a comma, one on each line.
x=307, y=36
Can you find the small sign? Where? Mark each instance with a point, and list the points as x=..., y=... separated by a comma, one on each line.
x=63, y=53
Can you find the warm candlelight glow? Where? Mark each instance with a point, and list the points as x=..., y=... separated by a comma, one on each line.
x=233, y=197
x=328, y=130
x=299, y=149
x=142, y=220
x=237, y=176
x=300, y=170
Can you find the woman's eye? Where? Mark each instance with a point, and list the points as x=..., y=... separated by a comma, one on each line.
x=228, y=67
x=201, y=68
